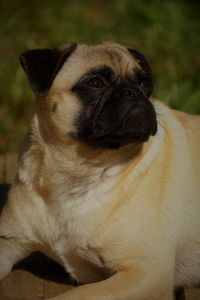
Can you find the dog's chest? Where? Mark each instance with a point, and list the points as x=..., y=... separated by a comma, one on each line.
x=78, y=253
x=80, y=219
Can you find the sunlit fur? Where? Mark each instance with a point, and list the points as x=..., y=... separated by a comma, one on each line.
x=127, y=220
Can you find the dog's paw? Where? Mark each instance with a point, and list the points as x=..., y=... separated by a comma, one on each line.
x=5, y=267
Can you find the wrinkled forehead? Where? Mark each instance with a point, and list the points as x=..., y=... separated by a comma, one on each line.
x=86, y=58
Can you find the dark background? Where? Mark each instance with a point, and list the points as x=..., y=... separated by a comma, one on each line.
x=166, y=32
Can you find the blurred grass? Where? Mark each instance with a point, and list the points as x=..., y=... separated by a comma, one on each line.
x=167, y=32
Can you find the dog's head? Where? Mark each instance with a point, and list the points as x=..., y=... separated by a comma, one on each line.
x=96, y=94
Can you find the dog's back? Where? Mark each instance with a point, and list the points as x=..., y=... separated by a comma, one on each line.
x=191, y=124
x=188, y=262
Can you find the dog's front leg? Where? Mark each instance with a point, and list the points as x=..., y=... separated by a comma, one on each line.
x=123, y=285
x=11, y=252
x=14, y=245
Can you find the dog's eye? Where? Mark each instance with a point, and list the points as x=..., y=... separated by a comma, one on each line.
x=96, y=82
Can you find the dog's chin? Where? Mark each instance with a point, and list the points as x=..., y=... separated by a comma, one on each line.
x=113, y=141
x=116, y=143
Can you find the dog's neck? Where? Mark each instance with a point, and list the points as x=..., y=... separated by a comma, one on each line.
x=76, y=164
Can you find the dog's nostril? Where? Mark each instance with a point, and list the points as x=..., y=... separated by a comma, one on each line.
x=128, y=93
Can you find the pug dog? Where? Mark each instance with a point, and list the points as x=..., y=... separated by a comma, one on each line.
x=108, y=179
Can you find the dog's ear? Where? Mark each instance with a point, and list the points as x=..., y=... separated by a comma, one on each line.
x=42, y=66
x=145, y=77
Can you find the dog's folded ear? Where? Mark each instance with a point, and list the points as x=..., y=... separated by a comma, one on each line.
x=42, y=66
x=146, y=76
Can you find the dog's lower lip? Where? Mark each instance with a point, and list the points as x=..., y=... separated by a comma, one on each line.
x=119, y=141
x=111, y=139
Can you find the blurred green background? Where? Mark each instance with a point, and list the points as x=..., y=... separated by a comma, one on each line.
x=167, y=32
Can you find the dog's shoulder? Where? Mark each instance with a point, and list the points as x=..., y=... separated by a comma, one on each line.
x=189, y=121
x=191, y=126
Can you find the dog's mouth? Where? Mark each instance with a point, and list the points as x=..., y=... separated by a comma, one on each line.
x=135, y=128
x=119, y=121
x=115, y=141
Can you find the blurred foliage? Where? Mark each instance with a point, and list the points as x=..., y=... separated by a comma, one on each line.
x=167, y=32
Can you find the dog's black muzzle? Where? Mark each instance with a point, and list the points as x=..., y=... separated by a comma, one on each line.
x=126, y=116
